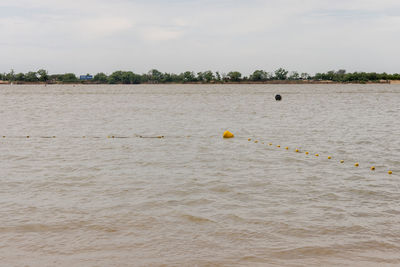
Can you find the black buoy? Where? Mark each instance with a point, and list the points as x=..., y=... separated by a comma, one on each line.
x=278, y=98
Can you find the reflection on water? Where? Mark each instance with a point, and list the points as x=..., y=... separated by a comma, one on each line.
x=193, y=198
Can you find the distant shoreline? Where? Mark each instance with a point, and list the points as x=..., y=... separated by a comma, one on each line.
x=210, y=83
x=279, y=76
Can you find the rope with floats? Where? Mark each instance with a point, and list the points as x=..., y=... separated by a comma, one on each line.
x=228, y=134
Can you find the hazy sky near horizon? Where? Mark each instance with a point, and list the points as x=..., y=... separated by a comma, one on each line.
x=89, y=36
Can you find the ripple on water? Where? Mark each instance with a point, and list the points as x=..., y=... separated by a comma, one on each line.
x=192, y=198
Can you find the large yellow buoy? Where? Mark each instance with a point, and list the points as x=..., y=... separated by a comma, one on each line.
x=228, y=134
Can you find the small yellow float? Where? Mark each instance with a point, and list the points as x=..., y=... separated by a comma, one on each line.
x=228, y=134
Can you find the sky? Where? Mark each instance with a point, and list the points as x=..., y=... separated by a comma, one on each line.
x=91, y=36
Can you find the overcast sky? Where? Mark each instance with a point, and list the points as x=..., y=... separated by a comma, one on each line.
x=89, y=36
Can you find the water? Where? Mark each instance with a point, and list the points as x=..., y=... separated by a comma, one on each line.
x=193, y=198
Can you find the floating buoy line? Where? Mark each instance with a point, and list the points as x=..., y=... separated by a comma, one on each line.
x=226, y=134
x=84, y=136
x=297, y=150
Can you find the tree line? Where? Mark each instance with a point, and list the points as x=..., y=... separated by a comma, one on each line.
x=155, y=76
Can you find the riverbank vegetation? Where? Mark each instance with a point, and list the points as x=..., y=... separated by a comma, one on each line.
x=154, y=76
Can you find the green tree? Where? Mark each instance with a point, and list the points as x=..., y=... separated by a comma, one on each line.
x=281, y=74
x=115, y=77
x=155, y=76
x=178, y=78
x=20, y=77
x=136, y=78
x=31, y=77
x=318, y=76
x=330, y=75
x=167, y=78
x=69, y=78
x=383, y=76
x=55, y=77
x=234, y=76
x=294, y=75
x=126, y=77
x=372, y=76
x=341, y=72
x=200, y=77
x=188, y=76
x=208, y=76
x=100, y=77
x=305, y=76
x=259, y=75
x=10, y=76
x=43, y=76
x=396, y=76
x=218, y=76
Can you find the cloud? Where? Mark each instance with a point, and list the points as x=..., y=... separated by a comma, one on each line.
x=309, y=35
x=160, y=34
x=103, y=26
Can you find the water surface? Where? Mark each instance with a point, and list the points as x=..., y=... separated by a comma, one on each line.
x=193, y=198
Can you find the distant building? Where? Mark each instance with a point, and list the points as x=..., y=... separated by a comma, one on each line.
x=86, y=77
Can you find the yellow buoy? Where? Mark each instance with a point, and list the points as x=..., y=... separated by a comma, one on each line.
x=249, y=139
x=27, y=136
x=256, y=141
x=227, y=134
x=278, y=146
x=270, y=144
x=307, y=153
x=329, y=157
x=373, y=168
x=389, y=172
x=297, y=150
x=317, y=155
x=356, y=164
x=342, y=161
x=287, y=148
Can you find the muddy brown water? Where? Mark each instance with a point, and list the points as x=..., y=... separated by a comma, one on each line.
x=193, y=198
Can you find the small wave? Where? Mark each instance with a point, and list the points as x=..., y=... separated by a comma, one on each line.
x=220, y=189
x=308, y=251
x=196, y=219
x=57, y=227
